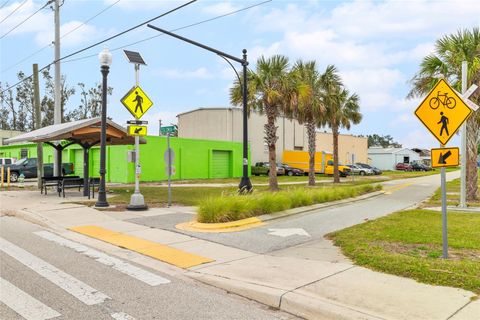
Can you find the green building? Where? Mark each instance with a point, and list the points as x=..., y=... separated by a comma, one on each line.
x=193, y=159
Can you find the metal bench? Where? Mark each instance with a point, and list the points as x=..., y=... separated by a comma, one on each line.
x=92, y=182
x=68, y=183
x=52, y=182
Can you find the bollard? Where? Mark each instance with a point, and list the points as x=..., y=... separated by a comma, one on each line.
x=8, y=177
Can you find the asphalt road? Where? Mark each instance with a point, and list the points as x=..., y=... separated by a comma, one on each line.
x=44, y=276
x=313, y=225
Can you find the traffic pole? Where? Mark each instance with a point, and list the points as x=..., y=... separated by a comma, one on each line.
x=443, y=181
x=463, y=147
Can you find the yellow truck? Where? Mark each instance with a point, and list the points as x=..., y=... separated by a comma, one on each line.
x=323, y=162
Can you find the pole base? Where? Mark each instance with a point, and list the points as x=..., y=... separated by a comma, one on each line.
x=245, y=186
x=137, y=203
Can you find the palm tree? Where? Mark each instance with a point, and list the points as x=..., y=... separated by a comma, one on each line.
x=270, y=91
x=342, y=110
x=446, y=62
x=308, y=107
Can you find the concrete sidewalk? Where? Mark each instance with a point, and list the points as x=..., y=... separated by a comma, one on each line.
x=330, y=288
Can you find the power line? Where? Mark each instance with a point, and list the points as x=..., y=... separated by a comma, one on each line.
x=29, y=17
x=48, y=45
x=177, y=29
x=100, y=42
x=21, y=5
x=4, y=4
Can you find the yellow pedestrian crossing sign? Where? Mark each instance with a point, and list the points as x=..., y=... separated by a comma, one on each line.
x=443, y=111
x=137, y=102
x=137, y=130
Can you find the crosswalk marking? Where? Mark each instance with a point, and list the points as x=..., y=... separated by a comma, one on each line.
x=73, y=286
x=24, y=304
x=117, y=264
x=121, y=316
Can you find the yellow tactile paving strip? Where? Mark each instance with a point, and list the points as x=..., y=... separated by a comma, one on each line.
x=152, y=249
x=232, y=226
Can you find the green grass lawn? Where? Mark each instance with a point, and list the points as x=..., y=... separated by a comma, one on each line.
x=453, y=195
x=409, y=244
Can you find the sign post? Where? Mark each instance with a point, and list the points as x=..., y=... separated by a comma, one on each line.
x=137, y=103
x=443, y=111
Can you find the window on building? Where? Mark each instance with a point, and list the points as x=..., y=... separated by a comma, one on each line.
x=406, y=159
x=24, y=153
x=296, y=148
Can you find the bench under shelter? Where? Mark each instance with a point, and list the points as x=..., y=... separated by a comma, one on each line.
x=85, y=133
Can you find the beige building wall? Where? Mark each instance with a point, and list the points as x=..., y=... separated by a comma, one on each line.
x=348, y=145
x=6, y=134
x=227, y=124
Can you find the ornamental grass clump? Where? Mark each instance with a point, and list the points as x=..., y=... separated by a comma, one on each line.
x=234, y=207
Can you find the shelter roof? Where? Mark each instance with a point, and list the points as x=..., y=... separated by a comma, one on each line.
x=85, y=131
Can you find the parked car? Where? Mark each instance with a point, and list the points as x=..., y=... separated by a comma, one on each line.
x=403, y=166
x=375, y=170
x=291, y=171
x=28, y=167
x=343, y=170
x=417, y=166
x=359, y=170
x=264, y=168
x=4, y=161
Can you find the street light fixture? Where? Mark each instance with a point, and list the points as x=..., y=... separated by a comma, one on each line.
x=105, y=58
x=245, y=185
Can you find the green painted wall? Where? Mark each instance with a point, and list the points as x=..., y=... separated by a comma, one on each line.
x=193, y=159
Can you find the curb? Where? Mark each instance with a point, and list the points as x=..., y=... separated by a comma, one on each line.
x=252, y=222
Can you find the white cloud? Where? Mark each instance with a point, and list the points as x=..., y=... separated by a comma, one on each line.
x=220, y=8
x=200, y=73
x=79, y=34
x=42, y=20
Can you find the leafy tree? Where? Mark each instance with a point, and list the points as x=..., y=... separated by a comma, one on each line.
x=7, y=107
x=342, y=110
x=48, y=103
x=446, y=62
x=90, y=102
x=383, y=141
x=270, y=91
x=308, y=108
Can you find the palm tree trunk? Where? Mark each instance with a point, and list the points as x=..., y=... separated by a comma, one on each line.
x=336, y=175
x=473, y=128
x=271, y=139
x=311, y=152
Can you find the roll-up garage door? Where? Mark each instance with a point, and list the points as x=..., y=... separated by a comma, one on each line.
x=221, y=164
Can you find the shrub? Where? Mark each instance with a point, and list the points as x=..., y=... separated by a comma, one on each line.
x=234, y=207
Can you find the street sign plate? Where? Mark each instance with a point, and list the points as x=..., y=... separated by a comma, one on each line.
x=167, y=129
x=443, y=111
x=445, y=157
x=137, y=130
x=137, y=102
x=137, y=122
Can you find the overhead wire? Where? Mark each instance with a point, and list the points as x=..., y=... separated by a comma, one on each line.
x=71, y=31
x=29, y=17
x=135, y=27
x=15, y=10
x=177, y=29
x=4, y=4
x=100, y=42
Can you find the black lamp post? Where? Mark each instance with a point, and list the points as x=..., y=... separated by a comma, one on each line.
x=105, y=58
x=245, y=185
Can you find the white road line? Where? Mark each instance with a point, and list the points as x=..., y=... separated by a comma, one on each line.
x=23, y=303
x=121, y=316
x=73, y=286
x=117, y=264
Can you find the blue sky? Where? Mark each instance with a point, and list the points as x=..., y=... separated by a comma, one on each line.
x=376, y=45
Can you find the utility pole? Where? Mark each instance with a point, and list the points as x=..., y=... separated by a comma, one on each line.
x=57, y=113
x=38, y=124
x=463, y=146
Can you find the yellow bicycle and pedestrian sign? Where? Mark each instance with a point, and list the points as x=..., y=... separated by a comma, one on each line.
x=137, y=102
x=443, y=111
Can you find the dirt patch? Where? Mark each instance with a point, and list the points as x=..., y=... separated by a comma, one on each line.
x=429, y=251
